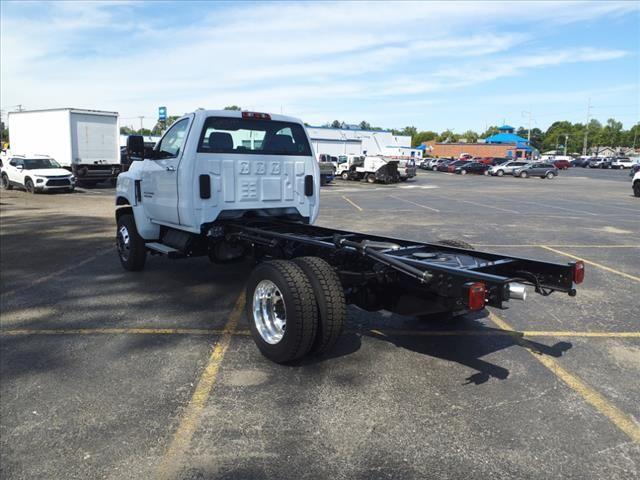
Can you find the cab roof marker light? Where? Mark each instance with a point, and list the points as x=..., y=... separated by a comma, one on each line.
x=256, y=115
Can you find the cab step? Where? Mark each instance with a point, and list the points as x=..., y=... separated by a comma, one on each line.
x=164, y=249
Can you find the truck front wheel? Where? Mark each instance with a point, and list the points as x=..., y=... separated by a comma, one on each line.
x=130, y=244
x=332, y=306
x=282, y=310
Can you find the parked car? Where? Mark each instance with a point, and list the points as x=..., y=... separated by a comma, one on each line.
x=622, y=163
x=507, y=168
x=635, y=168
x=424, y=164
x=36, y=173
x=542, y=170
x=465, y=156
x=635, y=183
x=562, y=164
x=580, y=162
x=472, y=167
x=441, y=162
x=451, y=166
x=600, y=162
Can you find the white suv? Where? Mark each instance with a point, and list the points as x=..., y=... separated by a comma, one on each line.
x=36, y=173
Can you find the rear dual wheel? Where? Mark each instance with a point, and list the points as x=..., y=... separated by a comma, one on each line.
x=295, y=308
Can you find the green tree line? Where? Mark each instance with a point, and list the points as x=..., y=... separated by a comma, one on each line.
x=611, y=134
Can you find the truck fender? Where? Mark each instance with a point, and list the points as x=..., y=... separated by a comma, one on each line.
x=147, y=230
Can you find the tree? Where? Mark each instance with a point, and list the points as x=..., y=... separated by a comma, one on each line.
x=365, y=125
x=470, y=136
x=232, y=107
x=336, y=124
x=492, y=130
x=422, y=137
x=447, y=136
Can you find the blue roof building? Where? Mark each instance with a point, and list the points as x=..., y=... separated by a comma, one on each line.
x=506, y=136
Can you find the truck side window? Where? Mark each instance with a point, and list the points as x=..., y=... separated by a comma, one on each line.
x=172, y=142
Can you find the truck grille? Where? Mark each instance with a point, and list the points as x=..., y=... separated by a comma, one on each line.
x=58, y=183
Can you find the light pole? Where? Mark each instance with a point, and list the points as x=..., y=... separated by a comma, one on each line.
x=566, y=141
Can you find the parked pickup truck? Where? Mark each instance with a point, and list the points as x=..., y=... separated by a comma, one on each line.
x=231, y=185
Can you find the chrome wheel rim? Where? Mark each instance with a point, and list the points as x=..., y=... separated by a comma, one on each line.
x=124, y=243
x=269, y=312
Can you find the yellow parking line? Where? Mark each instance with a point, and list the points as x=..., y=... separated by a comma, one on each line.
x=57, y=273
x=418, y=333
x=494, y=332
x=117, y=331
x=589, y=262
x=353, y=204
x=563, y=246
x=172, y=460
x=619, y=418
x=414, y=203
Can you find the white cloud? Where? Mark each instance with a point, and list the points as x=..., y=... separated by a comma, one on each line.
x=303, y=56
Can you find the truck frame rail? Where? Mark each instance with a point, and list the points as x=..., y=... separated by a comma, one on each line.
x=389, y=272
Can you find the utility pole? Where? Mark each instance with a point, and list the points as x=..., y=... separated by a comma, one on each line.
x=529, y=126
x=566, y=140
x=586, y=129
x=19, y=108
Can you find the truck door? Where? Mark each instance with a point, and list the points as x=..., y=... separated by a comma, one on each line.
x=160, y=175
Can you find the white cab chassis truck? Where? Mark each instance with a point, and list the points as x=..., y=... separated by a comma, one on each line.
x=85, y=142
x=243, y=185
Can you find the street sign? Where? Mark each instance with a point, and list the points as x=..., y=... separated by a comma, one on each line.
x=162, y=113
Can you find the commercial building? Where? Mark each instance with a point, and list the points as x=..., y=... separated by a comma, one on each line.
x=353, y=141
x=504, y=144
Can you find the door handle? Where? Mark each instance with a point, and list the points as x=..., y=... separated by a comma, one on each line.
x=171, y=168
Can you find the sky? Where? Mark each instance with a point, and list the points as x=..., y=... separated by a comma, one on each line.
x=436, y=66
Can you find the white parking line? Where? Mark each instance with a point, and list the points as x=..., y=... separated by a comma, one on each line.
x=482, y=205
x=414, y=203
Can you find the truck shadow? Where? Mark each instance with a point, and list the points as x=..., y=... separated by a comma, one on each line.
x=467, y=343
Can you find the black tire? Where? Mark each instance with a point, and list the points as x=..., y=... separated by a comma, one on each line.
x=6, y=184
x=28, y=186
x=371, y=178
x=434, y=168
x=300, y=309
x=636, y=188
x=455, y=243
x=500, y=173
x=332, y=306
x=463, y=172
x=550, y=175
x=523, y=175
x=345, y=175
x=131, y=249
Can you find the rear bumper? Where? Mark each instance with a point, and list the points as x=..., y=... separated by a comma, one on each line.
x=96, y=172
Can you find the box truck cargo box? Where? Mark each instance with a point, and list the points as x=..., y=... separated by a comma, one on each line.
x=84, y=142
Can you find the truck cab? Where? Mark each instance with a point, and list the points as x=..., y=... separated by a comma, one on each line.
x=214, y=165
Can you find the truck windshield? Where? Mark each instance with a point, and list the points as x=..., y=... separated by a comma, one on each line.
x=36, y=163
x=253, y=136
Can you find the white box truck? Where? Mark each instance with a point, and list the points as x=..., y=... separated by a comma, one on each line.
x=85, y=142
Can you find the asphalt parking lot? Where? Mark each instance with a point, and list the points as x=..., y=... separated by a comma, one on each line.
x=112, y=374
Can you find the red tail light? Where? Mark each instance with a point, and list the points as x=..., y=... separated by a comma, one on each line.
x=256, y=115
x=578, y=272
x=477, y=294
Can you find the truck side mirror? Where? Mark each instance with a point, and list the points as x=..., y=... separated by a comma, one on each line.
x=135, y=147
